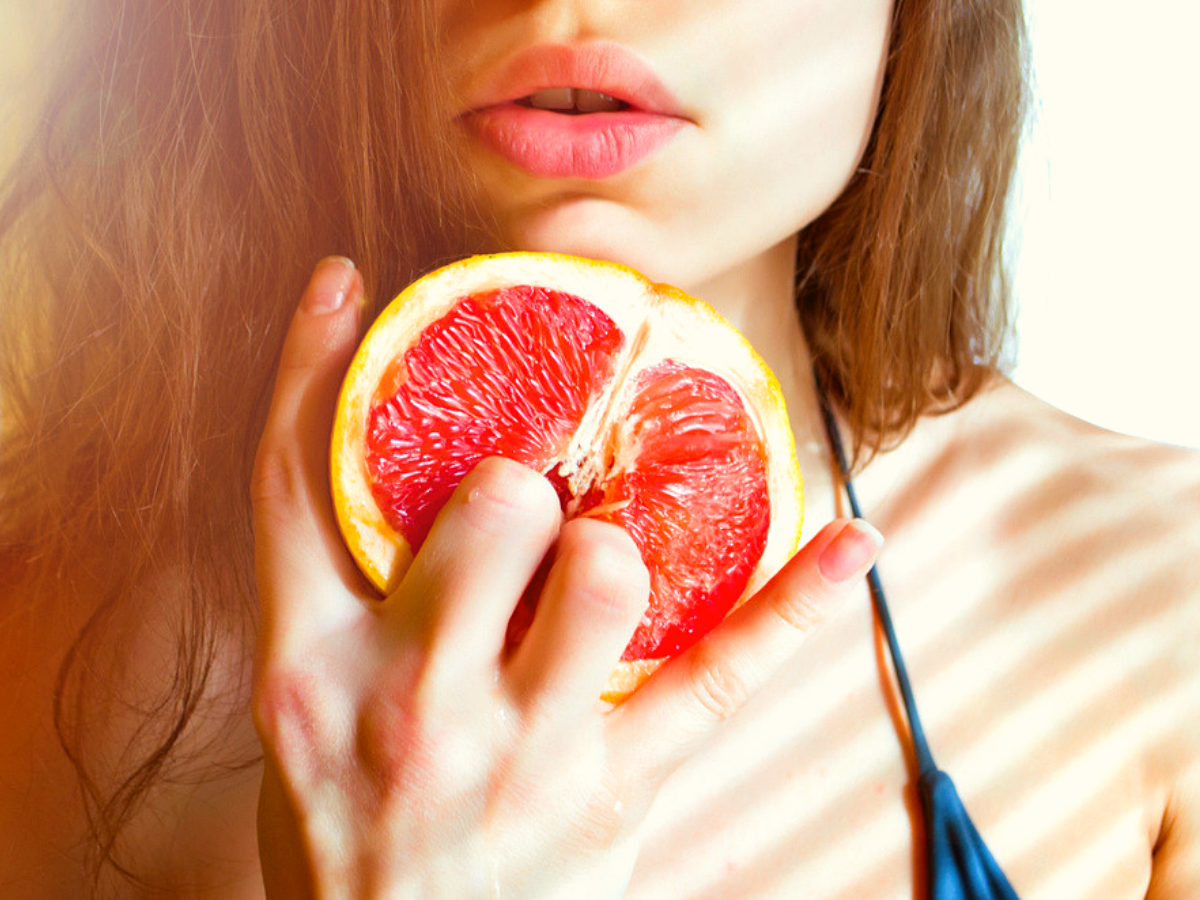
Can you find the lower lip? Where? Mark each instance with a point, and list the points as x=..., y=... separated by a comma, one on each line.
x=554, y=145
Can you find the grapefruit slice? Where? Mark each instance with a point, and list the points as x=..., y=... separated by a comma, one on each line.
x=641, y=405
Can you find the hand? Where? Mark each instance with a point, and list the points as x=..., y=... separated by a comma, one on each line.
x=406, y=754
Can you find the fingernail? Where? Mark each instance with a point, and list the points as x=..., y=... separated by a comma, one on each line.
x=327, y=292
x=851, y=552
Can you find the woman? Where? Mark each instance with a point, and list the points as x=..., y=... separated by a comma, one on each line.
x=853, y=157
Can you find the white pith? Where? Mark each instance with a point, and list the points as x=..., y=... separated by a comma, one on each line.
x=586, y=462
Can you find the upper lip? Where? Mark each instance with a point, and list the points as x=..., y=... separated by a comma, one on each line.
x=604, y=67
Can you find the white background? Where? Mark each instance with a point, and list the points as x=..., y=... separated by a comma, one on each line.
x=1109, y=320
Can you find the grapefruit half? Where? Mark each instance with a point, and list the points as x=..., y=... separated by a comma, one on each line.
x=640, y=404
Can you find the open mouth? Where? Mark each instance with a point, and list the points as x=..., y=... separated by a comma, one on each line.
x=572, y=132
x=572, y=101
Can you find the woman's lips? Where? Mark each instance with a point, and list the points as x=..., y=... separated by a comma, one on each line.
x=551, y=144
x=556, y=145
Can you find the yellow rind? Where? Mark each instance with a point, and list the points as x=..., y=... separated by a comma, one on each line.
x=384, y=555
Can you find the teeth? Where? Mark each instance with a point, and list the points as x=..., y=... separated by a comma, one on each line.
x=594, y=101
x=553, y=98
x=577, y=99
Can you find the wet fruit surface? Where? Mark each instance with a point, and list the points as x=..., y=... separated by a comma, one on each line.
x=698, y=506
x=506, y=373
x=676, y=460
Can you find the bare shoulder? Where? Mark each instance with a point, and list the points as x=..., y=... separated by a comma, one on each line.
x=1140, y=502
x=1073, y=555
x=1126, y=508
x=1139, y=498
x=1019, y=467
x=1072, y=507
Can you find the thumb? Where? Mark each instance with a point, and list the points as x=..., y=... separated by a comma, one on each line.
x=297, y=544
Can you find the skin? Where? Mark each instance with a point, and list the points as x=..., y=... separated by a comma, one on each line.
x=1040, y=572
x=456, y=772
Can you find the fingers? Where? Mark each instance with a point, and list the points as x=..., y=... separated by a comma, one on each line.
x=482, y=552
x=595, y=593
x=687, y=698
x=297, y=545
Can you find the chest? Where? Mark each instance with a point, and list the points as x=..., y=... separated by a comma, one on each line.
x=1031, y=704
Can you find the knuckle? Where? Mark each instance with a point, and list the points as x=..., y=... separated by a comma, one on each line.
x=606, y=813
x=278, y=698
x=799, y=610
x=292, y=362
x=605, y=567
x=716, y=682
x=390, y=740
x=502, y=498
x=292, y=708
x=297, y=358
x=404, y=747
x=277, y=476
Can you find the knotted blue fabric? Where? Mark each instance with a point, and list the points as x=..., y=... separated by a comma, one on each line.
x=960, y=866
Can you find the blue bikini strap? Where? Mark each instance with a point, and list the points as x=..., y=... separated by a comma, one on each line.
x=960, y=866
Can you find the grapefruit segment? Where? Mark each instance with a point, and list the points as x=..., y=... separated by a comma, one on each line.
x=640, y=404
x=504, y=373
x=694, y=467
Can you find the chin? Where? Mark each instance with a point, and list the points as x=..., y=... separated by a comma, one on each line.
x=580, y=226
x=602, y=229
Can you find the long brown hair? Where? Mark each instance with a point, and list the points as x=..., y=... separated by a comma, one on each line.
x=903, y=284
x=195, y=158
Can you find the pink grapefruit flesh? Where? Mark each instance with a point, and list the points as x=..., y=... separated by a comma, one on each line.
x=514, y=372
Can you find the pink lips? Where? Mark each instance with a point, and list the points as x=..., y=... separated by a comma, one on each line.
x=595, y=145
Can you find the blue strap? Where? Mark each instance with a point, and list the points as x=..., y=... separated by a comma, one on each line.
x=960, y=865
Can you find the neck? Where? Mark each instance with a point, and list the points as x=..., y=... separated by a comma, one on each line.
x=758, y=297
